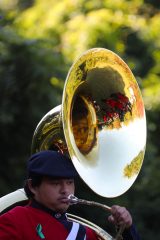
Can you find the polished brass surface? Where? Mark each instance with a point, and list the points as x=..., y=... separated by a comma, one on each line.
x=49, y=133
x=101, y=123
x=74, y=200
x=110, y=126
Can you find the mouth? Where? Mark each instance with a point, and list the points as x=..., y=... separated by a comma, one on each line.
x=63, y=200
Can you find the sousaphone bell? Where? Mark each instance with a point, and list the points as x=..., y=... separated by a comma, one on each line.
x=101, y=123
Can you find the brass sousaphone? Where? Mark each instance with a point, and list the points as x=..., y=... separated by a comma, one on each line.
x=101, y=124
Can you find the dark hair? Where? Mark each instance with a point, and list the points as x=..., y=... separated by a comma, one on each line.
x=36, y=181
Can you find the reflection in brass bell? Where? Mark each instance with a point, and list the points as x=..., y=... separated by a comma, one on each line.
x=101, y=123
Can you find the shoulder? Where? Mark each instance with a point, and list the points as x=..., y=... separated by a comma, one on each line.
x=14, y=213
x=10, y=222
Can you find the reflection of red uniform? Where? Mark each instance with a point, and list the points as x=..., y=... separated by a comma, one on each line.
x=27, y=223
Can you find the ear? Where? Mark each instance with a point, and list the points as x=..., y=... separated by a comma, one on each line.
x=31, y=188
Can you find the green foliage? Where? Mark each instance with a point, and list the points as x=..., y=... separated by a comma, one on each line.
x=39, y=40
x=26, y=93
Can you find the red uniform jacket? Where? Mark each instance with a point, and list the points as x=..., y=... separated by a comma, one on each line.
x=21, y=223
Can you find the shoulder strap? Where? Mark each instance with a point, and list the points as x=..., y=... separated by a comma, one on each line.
x=74, y=231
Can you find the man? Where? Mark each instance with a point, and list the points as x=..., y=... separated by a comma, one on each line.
x=50, y=182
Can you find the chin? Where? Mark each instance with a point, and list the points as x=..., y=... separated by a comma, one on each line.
x=62, y=209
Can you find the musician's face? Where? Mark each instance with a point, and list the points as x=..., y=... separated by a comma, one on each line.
x=53, y=193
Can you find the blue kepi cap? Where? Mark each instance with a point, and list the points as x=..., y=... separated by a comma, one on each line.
x=51, y=163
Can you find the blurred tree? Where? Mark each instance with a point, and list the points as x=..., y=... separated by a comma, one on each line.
x=26, y=92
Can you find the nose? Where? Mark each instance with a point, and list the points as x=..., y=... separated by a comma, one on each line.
x=65, y=189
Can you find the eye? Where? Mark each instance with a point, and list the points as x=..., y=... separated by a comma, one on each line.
x=70, y=181
x=54, y=182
